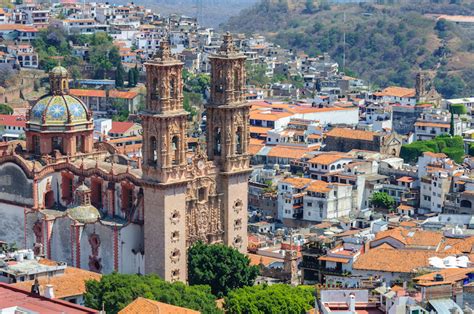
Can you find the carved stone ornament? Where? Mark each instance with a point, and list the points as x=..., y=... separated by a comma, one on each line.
x=238, y=205
x=175, y=216
x=175, y=255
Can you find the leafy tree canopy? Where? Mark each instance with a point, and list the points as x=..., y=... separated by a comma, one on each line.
x=219, y=266
x=6, y=109
x=452, y=146
x=382, y=200
x=116, y=291
x=458, y=109
x=279, y=298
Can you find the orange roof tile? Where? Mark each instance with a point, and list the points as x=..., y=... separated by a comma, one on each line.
x=406, y=179
x=327, y=159
x=405, y=207
x=352, y=134
x=395, y=91
x=142, y=305
x=71, y=283
x=412, y=237
x=435, y=155
x=121, y=127
x=450, y=276
x=319, y=186
x=288, y=152
x=433, y=124
x=395, y=261
x=298, y=183
x=259, y=129
x=102, y=94
x=268, y=116
x=334, y=259
x=256, y=259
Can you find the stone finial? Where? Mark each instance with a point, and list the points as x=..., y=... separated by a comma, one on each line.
x=165, y=50
x=228, y=44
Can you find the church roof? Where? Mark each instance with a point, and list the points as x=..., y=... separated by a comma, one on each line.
x=59, y=110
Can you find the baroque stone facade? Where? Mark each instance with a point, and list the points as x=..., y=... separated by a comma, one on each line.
x=202, y=196
x=83, y=203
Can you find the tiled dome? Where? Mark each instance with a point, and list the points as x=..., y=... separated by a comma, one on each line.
x=59, y=71
x=59, y=110
x=84, y=213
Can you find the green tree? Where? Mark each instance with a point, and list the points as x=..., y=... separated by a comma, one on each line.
x=219, y=266
x=256, y=75
x=457, y=109
x=131, y=78
x=6, y=109
x=119, y=76
x=278, y=298
x=382, y=200
x=116, y=291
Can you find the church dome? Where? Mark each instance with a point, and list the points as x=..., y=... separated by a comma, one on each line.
x=84, y=213
x=59, y=110
x=59, y=71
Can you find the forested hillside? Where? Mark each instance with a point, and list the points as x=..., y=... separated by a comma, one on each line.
x=385, y=44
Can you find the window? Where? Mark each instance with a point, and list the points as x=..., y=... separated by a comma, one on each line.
x=175, y=150
x=36, y=145
x=80, y=143
x=202, y=194
x=238, y=141
x=57, y=143
x=309, y=204
x=153, y=158
x=217, y=141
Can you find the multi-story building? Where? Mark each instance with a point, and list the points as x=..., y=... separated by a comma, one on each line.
x=313, y=200
x=435, y=123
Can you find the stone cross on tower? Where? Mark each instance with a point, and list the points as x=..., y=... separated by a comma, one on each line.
x=165, y=51
x=228, y=44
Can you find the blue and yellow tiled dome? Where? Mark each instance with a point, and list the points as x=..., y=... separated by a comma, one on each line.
x=59, y=108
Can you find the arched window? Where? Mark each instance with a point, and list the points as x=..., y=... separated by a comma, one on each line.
x=175, y=150
x=64, y=85
x=217, y=141
x=236, y=81
x=466, y=204
x=57, y=143
x=155, y=90
x=339, y=166
x=238, y=141
x=153, y=157
x=36, y=145
x=80, y=144
x=332, y=167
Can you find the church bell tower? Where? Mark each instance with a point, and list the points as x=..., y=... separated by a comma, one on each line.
x=164, y=167
x=228, y=138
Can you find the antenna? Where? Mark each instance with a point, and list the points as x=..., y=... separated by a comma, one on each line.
x=344, y=45
x=199, y=10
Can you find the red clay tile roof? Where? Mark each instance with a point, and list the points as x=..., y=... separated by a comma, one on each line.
x=101, y=93
x=288, y=152
x=327, y=159
x=352, y=134
x=71, y=283
x=142, y=305
x=11, y=296
x=12, y=120
x=121, y=127
x=395, y=261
